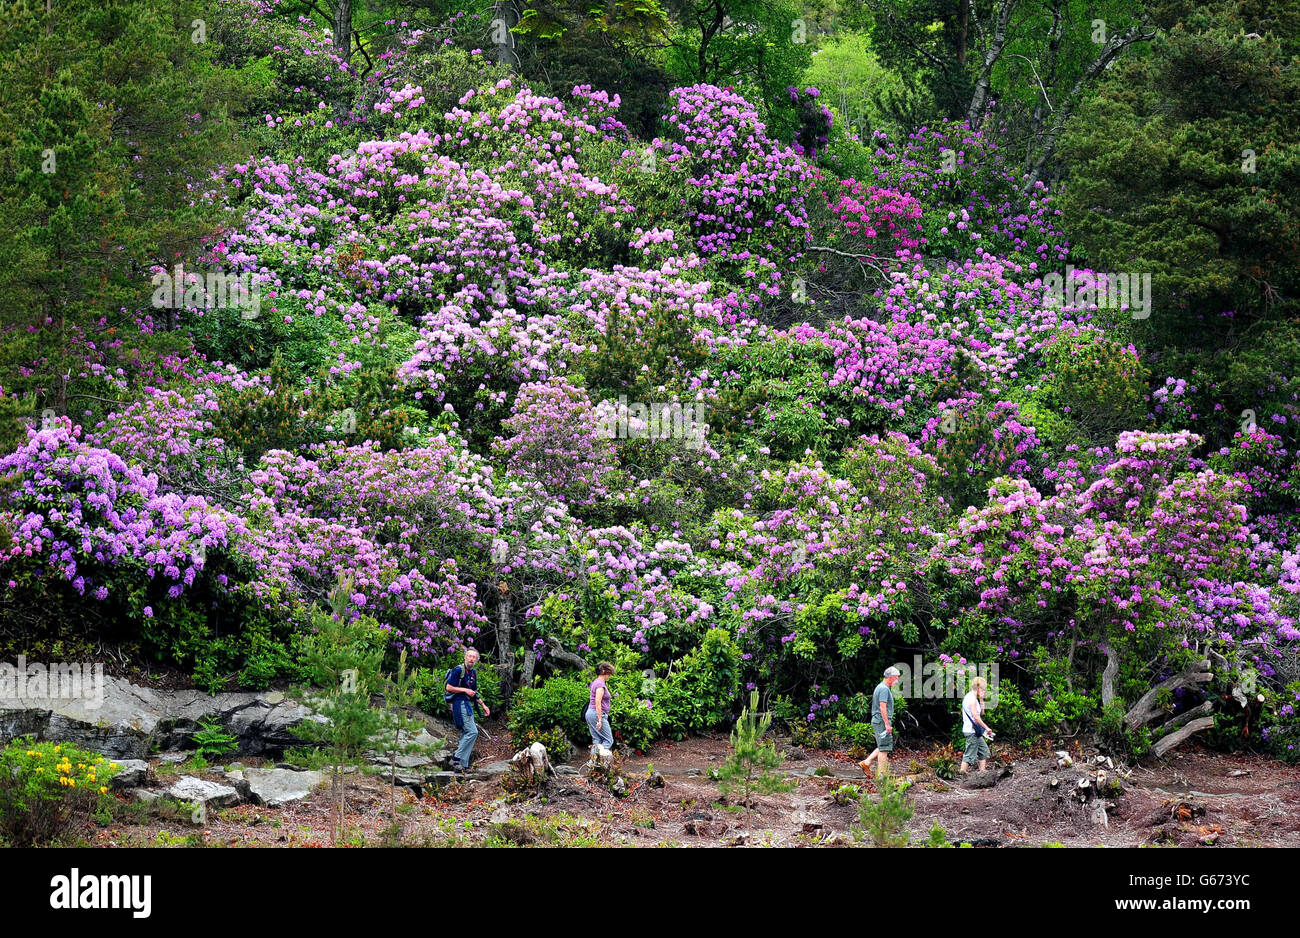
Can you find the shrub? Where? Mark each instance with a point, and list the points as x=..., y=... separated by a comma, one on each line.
x=944, y=765
x=751, y=766
x=45, y=787
x=553, y=739
x=697, y=694
x=884, y=821
x=853, y=732
x=1049, y=707
x=846, y=794
x=938, y=836
x=1112, y=733
x=1099, y=383
x=1282, y=732
x=636, y=721
x=557, y=703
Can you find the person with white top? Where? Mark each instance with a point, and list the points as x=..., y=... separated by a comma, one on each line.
x=977, y=732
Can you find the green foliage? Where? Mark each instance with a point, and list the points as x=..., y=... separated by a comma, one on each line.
x=1281, y=733
x=279, y=414
x=556, y=703
x=1097, y=384
x=697, y=695
x=883, y=822
x=938, y=836
x=46, y=788
x=342, y=657
x=752, y=763
x=749, y=43
x=212, y=740
x=112, y=118
x=636, y=721
x=569, y=43
x=1049, y=708
x=554, y=739
x=1160, y=180
x=944, y=765
x=1113, y=734
x=401, y=693
x=853, y=732
x=846, y=794
x=864, y=95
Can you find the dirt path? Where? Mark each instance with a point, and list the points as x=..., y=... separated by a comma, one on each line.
x=1193, y=798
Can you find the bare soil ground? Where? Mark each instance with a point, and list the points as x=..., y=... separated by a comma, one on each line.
x=1193, y=798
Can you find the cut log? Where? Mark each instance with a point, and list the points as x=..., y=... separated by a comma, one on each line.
x=1165, y=743
x=1145, y=710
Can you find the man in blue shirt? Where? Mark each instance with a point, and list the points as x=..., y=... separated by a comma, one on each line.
x=461, y=692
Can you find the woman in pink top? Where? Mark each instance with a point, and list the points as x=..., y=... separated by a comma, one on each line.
x=597, y=713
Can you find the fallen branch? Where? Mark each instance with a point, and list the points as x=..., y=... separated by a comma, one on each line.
x=1169, y=742
x=1145, y=710
x=1203, y=710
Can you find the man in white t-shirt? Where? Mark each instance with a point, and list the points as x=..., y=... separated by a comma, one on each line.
x=977, y=732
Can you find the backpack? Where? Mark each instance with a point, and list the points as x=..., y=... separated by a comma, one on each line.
x=448, y=698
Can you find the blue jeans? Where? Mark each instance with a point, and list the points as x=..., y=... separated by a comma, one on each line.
x=468, y=735
x=599, y=737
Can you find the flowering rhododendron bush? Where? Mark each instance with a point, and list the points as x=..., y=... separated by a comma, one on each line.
x=698, y=403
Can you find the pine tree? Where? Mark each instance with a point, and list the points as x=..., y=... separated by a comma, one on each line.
x=750, y=767
x=401, y=691
x=112, y=119
x=341, y=657
x=884, y=821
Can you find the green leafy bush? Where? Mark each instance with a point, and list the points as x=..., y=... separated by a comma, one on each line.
x=1281, y=732
x=556, y=703
x=45, y=787
x=553, y=739
x=1100, y=384
x=853, y=732
x=635, y=723
x=698, y=693
x=938, y=836
x=1051, y=706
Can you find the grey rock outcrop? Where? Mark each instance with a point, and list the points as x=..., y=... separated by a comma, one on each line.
x=130, y=721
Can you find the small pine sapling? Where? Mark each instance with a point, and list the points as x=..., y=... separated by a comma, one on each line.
x=342, y=657
x=884, y=821
x=401, y=693
x=752, y=763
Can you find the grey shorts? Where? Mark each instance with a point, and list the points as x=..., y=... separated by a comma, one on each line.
x=884, y=741
x=977, y=749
